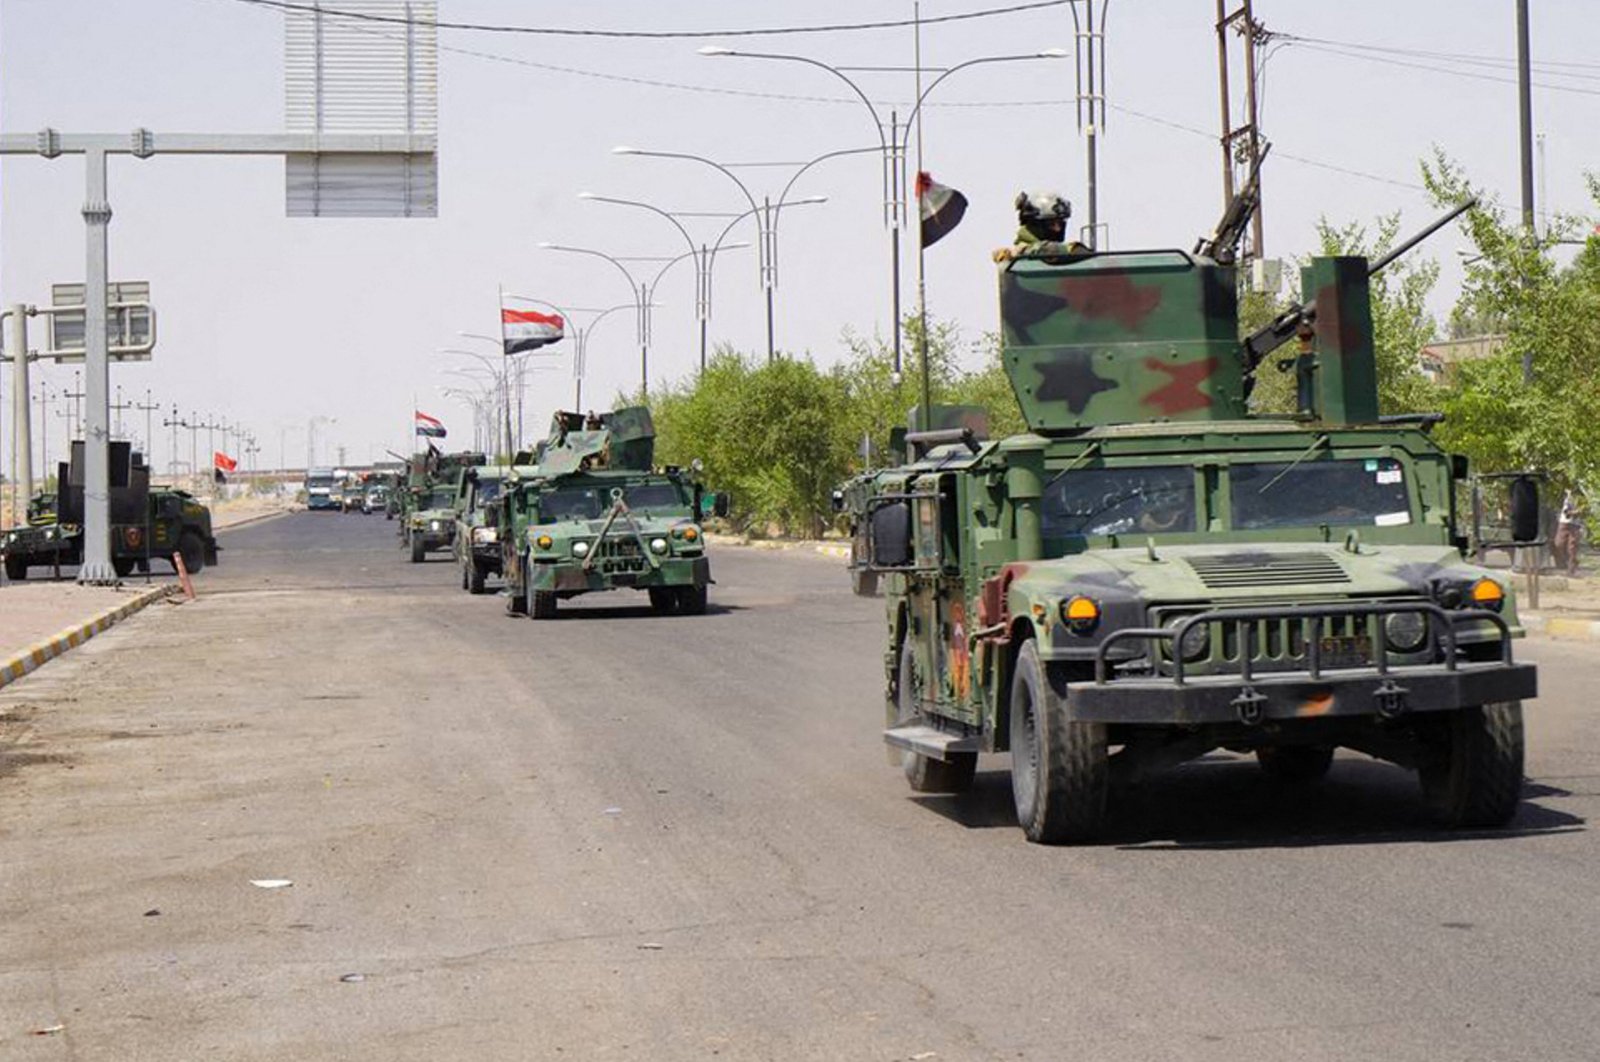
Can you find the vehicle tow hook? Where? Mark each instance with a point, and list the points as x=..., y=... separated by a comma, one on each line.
x=1391, y=699
x=1250, y=706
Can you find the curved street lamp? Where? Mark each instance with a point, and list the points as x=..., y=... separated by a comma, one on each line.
x=892, y=143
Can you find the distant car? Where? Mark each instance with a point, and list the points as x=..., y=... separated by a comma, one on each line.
x=377, y=501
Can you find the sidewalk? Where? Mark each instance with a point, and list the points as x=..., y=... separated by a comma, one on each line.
x=40, y=621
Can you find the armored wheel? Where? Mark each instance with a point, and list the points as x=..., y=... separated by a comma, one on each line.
x=1295, y=764
x=193, y=552
x=541, y=604
x=1060, y=771
x=123, y=566
x=663, y=601
x=418, y=549
x=1471, y=768
x=923, y=773
x=16, y=569
x=692, y=600
x=463, y=569
x=475, y=576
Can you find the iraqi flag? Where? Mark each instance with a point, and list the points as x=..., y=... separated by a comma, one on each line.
x=941, y=208
x=222, y=462
x=432, y=427
x=522, y=330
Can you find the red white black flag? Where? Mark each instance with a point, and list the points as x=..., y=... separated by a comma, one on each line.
x=941, y=208
x=529, y=330
x=432, y=427
x=222, y=462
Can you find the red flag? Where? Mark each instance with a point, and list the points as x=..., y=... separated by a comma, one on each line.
x=529, y=329
x=223, y=462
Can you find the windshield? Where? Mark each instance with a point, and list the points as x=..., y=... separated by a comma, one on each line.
x=441, y=499
x=1116, y=501
x=318, y=484
x=488, y=491
x=1364, y=493
x=654, y=496
x=571, y=503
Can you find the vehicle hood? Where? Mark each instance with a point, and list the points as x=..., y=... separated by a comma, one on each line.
x=1237, y=572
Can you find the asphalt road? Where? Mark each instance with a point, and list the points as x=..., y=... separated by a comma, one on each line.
x=617, y=835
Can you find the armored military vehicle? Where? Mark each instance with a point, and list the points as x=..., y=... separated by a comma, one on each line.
x=146, y=522
x=477, y=535
x=1149, y=572
x=428, y=515
x=594, y=514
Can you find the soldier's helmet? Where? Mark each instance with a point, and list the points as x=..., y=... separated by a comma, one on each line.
x=1044, y=215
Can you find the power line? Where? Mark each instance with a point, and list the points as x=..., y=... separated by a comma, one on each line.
x=553, y=31
x=1507, y=62
x=789, y=97
x=1440, y=69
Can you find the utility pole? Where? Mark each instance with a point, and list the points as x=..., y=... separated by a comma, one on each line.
x=1241, y=144
x=1090, y=60
x=1525, y=144
x=148, y=407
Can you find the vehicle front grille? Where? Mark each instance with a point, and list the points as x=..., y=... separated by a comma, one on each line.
x=619, y=555
x=1243, y=570
x=1279, y=644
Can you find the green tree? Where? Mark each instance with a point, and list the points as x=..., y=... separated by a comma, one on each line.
x=1499, y=413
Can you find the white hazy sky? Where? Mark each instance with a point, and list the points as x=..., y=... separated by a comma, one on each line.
x=270, y=322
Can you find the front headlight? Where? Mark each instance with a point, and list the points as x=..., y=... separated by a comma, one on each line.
x=485, y=535
x=1405, y=632
x=435, y=525
x=580, y=549
x=658, y=545
x=1196, y=644
x=544, y=542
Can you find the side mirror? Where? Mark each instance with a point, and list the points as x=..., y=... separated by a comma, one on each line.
x=891, y=535
x=838, y=501
x=1460, y=467
x=719, y=503
x=1524, y=509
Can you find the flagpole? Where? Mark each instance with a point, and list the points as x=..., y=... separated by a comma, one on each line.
x=922, y=275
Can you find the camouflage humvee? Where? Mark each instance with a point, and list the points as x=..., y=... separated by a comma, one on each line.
x=595, y=515
x=477, y=541
x=146, y=521
x=1150, y=573
x=428, y=514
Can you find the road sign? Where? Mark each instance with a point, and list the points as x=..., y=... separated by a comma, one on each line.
x=130, y=321
x=370, y=66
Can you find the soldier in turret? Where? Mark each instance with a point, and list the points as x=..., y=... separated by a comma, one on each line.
x=1042, y=228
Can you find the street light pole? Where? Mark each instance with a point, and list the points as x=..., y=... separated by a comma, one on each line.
x=893, y=146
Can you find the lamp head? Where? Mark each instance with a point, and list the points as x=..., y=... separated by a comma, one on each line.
x=1053, y=53
x=624, y=151
x=714, y=49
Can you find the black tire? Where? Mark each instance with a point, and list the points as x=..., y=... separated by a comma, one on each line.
x=1295, y=764
x=193, y=552
x=541, y=604
x=123, y=566
x=516, y=604
x=1060, y=771
x=692, y=600
x=923, y=773
x=475, y=577
x=418, y=549
x=17, y=569
x=1471, y=772
x=663, y=600
x=463, y=569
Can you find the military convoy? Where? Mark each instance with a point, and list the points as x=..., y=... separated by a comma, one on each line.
x=1150, y=572
x=146, y=522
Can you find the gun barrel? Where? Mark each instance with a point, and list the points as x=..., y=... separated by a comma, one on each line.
x=1386, y=260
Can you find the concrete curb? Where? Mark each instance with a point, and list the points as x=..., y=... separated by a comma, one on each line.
x=1562, y=627
x=252, y=521
x=840, y=550
x=36, y=655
